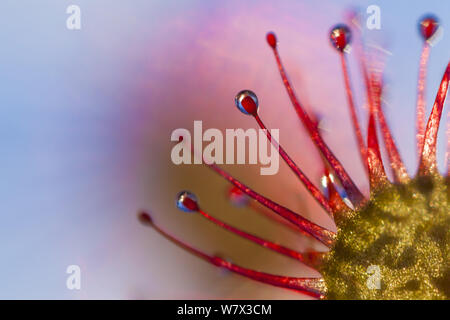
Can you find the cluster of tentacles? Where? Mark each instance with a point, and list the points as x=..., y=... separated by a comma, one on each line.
x=402, y=229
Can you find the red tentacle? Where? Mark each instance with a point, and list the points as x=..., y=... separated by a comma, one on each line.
x=354, y=117
x=377, y=175
x=398, y=168
x=421, y=102
x=373, y=90
x=352, y=190
x=312, y=286
x=239, y=198
x=323, y=235
x=313, y=190
x=428, y=163
x=262, y=242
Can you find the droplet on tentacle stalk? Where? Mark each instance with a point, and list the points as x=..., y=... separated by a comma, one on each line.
x=340, y=37
x=237, y=197
x=247, y=102
x=187, y=201
x=428, y=25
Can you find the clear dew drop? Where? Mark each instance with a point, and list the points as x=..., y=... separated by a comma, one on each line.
x=237, y=197
x=242, y=102
x=186, y=201
x=428, y=25
x=340, y=37
x=324, y=184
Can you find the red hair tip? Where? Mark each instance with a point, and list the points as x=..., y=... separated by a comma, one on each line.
x=145, y=218
x=271, y=40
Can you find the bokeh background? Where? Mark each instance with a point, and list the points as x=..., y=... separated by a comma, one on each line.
x=86, y=118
